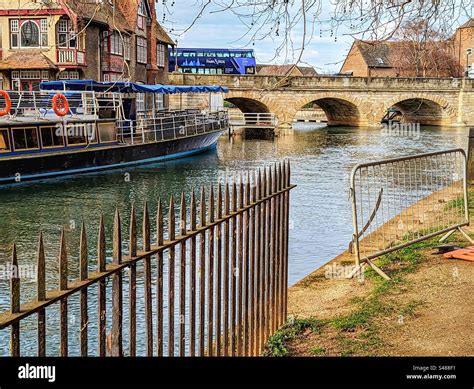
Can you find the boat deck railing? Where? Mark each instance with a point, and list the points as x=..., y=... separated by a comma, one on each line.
x=39, y=104
x=169, y=125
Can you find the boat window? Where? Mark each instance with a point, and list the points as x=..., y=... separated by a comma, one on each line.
x=4, y=143
x=76, y=135
x=51, y=136
x=25, y=138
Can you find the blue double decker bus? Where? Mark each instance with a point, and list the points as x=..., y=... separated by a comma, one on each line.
x=213, y=61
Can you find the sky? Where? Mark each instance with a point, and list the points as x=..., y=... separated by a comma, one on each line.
x=225, y=30
x=325, y=51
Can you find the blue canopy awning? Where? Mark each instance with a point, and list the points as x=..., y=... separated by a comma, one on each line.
x=128, y=87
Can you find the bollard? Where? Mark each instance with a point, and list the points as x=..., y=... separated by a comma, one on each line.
x=470, y=160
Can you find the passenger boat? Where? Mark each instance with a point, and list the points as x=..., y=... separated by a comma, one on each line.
x=82, y=126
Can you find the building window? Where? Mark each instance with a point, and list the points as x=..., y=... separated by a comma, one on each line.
x=44, y=32
x=69, y=75
x=159, y=101
x=160, y=53
x=141, y=15
x=127, y=49
x=14, y=33
x=116, y=44
x=67, y=38
x=28, y=80
x=28, y=33
x=142, y=50
x=141, y=102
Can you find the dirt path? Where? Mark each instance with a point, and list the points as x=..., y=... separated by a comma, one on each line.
x=428, y=310
x=443, y=324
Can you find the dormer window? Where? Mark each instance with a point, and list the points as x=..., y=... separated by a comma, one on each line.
x=141, y=15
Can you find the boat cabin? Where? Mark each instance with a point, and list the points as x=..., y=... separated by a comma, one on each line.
x=70, y=115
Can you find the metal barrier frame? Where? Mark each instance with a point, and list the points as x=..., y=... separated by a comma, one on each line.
x=357, y=235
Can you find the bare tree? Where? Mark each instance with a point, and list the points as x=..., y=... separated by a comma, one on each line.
x=422, y=51
x=362, y=19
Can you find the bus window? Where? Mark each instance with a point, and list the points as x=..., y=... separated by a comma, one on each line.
x=4, y=143
x=220, y=71
x=200, y=71
x=225, y=55
x=200, y=54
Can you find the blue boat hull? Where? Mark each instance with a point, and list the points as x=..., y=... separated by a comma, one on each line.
x=46, y=165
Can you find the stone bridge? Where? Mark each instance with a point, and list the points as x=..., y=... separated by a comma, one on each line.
x=350, y=101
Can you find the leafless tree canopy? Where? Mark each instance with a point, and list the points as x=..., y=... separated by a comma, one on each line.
x=294, y=23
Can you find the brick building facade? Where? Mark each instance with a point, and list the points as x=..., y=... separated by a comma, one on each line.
x=448, y=58
x=74, y=39
x=464, y=44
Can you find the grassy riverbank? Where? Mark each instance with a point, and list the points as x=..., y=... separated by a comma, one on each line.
x=426, y=309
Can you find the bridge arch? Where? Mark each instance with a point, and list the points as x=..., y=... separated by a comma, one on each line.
x=250, y=102
x=424, y=109
x=340, y=109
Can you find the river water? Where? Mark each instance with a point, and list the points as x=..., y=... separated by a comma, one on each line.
x=320, y=219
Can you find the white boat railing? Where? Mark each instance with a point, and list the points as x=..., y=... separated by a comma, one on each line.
x=171, y=125
x=257, y=119
x=39, y=104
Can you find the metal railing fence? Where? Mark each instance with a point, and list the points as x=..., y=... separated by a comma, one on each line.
x=400, y=201
x=169, y=126
x=211, y=279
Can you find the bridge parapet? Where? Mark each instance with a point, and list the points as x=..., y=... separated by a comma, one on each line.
x=322, y=82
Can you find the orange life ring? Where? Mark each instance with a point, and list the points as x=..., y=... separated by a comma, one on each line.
x=8, y=103
x=60, y=105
